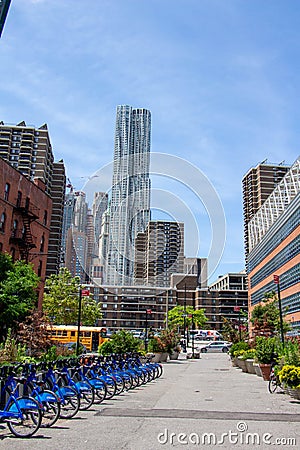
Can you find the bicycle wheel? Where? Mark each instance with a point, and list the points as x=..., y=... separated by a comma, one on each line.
x=273, y=384
x=120, y=384
x=51, y=408
x=159, y=369
x=30, y=421
x=101, y=393
x=87, y=395
x=111, y=387
x=128, y=382
x=70, y=402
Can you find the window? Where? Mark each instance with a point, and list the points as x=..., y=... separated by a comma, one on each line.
x=42, y=243
x=39, y=271
x=2, y=222
x=6, y=191
x=45, y=218
x=13, y=253
x=27, y=202
x=19, y=199
x=15, y=227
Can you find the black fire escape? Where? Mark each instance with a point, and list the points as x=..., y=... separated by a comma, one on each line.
x=22, y=235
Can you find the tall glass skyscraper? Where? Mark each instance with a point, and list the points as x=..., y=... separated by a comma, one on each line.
x=130, y=199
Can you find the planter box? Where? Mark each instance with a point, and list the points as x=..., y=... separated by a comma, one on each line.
x=164, y=356
x=266, y=371
x=156, y=357
x=294, y=393
x=257, y=369
x=250, y=366
x=173, y=356
x=242, y=364
x=234, y=362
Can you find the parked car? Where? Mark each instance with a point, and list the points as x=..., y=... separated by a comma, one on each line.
x=216, y=347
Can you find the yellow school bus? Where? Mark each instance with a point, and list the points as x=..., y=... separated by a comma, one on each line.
x=90, y=337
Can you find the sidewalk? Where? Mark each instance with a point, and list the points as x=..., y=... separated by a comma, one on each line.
x=196, y=400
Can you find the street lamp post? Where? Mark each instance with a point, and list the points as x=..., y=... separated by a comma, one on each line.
x=276, y=281
x=82, y=293
x=148, y=311
x=184, y=319
x=238, y=309
x=193, y=327
x=79, y=321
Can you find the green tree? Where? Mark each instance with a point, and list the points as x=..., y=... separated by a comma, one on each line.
x=18, y=284
x=61, y=300
x=176, y=317
x=34, y=333
x=265, y=317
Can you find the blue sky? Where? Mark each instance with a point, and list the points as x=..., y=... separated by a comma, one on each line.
x=221, y=78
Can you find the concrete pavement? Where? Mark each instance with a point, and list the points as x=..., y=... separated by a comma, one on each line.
x=195, y=404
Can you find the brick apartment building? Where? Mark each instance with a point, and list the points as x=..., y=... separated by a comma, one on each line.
x=25, y=213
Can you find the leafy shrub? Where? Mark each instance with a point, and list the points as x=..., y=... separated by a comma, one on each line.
x=249, y=354
x=238, y=348
x=120, y=342
x=266, y=350
x=290, y=353
x=10, y=351
x=170, y=339
x=156, y=345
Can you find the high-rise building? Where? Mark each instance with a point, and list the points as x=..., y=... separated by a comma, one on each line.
x=159, y=252
x=58, y=187
x=4, y=6
x=79, y=233
x=76, y=253
x=68, y=219
x=199, y=267
x=274, y=247
x=130, y=201
x=28, y=149
x=100, y=205
x=258, y=183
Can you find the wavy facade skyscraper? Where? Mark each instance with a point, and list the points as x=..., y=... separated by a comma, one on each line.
x=130, y=198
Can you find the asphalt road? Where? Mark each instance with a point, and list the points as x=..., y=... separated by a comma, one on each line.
x=195, y=404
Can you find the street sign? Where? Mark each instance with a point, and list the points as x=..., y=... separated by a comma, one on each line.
x=149, y=311
x=236, y=308
x=276, y=279
x=85, y=292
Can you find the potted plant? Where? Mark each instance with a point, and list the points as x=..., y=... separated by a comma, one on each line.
x=157, y=347
x=175, y=352
x=289, y=376
x=266, y=354
x=237, y=350
x=249, y=358
x=170, y=338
